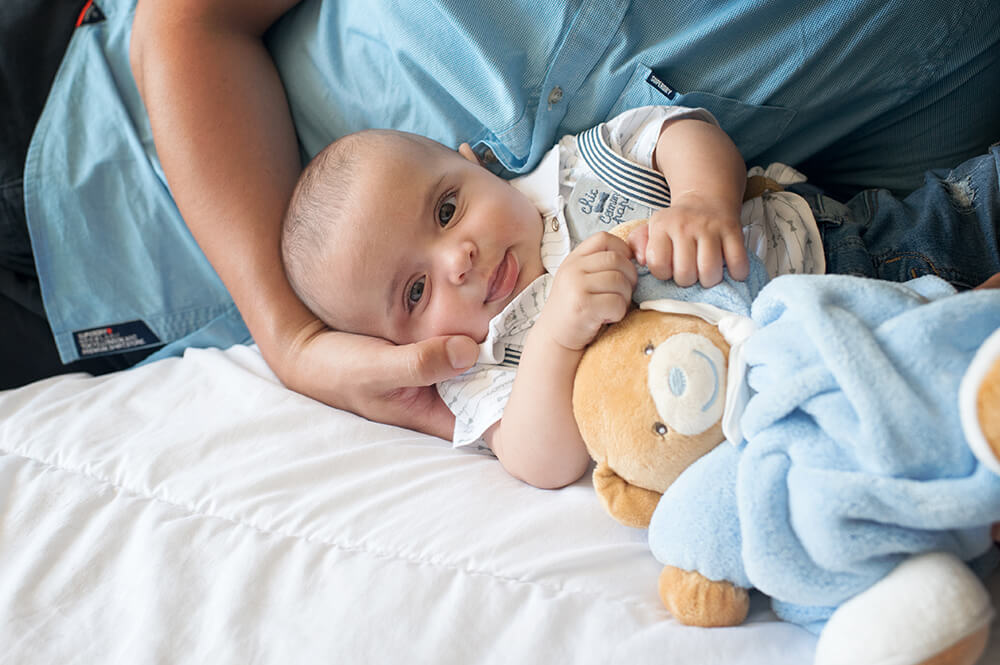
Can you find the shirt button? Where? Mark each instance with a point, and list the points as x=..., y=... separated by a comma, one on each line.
x=488, y=157
x=555, y=95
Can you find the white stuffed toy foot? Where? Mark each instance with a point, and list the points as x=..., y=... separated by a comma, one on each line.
x=930, y=610
x=979, y=403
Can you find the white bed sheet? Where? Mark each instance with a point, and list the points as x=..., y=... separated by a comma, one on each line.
x=195, y=511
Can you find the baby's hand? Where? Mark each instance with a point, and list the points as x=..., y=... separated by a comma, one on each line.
x=690, y=241
x=592, y=287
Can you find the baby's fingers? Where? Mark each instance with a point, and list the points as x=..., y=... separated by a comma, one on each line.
x=608, y=261
x=604, y=242
x=709, y=262
x=659, y=254
x=685, y=261
x=609, y=307
x=736, y=255
x=637, y=241
x=611, y=282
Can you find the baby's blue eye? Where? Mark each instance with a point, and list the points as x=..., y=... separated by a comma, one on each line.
x=446, y=211
x=416, y=292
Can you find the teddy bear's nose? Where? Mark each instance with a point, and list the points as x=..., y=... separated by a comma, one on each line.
x=686, y=382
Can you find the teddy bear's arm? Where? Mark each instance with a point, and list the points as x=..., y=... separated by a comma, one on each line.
x=629, y=504
x=695, y=600
x=695, y=533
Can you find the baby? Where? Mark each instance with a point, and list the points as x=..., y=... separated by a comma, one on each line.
x=396, y=236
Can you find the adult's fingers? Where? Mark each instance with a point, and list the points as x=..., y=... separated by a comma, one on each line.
x=426, y=362
x=420, y=409
x=377, y=379
x=402, y=392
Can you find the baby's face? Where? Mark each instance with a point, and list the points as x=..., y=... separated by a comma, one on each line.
x=439, y=246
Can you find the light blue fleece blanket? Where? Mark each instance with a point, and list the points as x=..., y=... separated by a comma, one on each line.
x=728, y=294
x=853, y=456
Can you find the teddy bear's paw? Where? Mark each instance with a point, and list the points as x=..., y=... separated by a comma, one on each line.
x=930, y=610
x=964, y=652
x=979, y=403
x=695, y=600
x=625, y=228
x=629, y=504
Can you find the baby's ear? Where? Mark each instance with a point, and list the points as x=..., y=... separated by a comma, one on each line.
x=466, y=151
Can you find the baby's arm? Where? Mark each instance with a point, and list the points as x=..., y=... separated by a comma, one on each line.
x=690, y=240
x=537, y=440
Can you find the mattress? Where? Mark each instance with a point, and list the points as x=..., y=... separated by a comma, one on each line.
x=194, y=511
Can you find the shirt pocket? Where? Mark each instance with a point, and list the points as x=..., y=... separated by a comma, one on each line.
x=753, y=127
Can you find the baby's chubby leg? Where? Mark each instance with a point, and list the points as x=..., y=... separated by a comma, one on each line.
x=991, y=283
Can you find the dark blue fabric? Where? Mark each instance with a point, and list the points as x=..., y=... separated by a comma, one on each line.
x=33, y=36
x=949, y=227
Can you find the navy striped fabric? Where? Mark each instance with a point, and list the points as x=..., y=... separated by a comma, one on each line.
x=638, y=182
x=511, y=356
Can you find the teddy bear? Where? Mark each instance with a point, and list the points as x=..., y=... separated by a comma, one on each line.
x=837, y=450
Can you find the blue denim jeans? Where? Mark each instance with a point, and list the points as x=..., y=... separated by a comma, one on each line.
x=949, y=227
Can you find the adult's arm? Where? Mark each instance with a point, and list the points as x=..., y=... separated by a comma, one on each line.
x=225, y=138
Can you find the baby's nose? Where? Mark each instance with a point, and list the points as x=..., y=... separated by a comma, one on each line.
x=460, y=259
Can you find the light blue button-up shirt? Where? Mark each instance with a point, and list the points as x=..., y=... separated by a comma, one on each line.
x=785, y=78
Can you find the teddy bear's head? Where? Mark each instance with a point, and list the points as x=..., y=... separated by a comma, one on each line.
x=648, y=399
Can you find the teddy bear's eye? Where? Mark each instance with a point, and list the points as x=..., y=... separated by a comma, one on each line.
x=649, y=349
x=660, y=429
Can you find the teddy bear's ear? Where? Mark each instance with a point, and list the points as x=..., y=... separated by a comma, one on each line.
x=988, y=407
x=979, y=403
x=629, y=504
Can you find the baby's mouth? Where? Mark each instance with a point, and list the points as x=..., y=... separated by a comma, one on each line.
x=504, y=279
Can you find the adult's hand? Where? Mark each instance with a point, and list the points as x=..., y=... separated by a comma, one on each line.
x=225, y=139
x=376, y=378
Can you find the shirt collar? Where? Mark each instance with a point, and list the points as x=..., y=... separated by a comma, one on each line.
x=541, y=186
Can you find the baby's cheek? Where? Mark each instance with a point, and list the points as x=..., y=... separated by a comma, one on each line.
x=456, y=319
